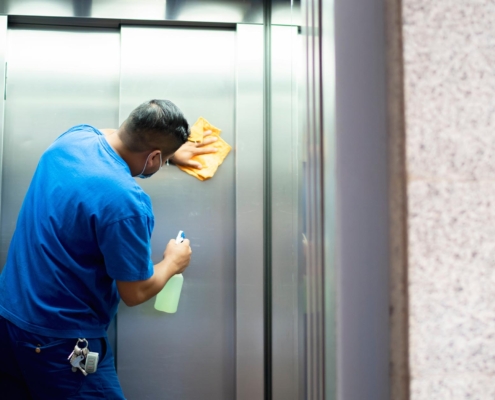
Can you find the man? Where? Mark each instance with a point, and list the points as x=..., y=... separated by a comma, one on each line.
x=82, y=243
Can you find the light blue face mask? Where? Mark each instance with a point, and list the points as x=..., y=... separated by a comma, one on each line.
x=144, y=176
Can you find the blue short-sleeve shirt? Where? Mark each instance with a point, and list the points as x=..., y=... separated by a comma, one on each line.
x=84, y=224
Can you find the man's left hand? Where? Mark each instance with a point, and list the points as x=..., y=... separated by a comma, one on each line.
x=188, y=150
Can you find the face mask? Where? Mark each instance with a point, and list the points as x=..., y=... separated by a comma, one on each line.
x=144, y=176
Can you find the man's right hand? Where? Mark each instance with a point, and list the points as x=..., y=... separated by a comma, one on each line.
x=177, y=256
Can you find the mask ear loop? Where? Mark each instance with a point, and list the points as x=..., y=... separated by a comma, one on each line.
x=146, y=163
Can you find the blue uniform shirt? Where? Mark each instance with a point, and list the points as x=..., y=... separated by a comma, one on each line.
x=84, y=224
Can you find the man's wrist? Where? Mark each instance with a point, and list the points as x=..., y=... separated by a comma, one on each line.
x=166, y=270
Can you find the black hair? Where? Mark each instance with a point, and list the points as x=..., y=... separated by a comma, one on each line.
x=155, y=124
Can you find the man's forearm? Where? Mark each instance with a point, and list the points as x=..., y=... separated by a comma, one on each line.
x=135, y=293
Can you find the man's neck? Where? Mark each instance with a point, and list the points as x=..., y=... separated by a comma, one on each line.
x=131, y=159
x=113, y=139
x=107, y=131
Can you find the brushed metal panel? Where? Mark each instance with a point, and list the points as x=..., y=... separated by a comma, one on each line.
x=191, y=354
x=228, y=11
x=57, y=78
x=285, y=162
x=249, y=213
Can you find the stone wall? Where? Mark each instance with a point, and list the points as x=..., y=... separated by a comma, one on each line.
x=449, y=83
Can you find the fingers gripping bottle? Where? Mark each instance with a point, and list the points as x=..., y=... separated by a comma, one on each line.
x=167, y=300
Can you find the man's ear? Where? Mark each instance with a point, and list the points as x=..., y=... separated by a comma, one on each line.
x=155, y=156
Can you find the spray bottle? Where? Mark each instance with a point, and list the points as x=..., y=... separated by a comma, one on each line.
x=167, y=300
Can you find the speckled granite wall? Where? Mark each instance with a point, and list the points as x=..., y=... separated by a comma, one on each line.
x=449, y=68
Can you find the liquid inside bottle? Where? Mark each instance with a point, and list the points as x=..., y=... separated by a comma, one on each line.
x=167, y=300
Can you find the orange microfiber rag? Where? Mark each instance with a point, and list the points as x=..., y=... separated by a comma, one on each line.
x=210, y=162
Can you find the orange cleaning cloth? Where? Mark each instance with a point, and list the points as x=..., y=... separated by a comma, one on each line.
x=210, y=162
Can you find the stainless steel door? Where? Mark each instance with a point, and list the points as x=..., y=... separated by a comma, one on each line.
x=189, y=355
x=61, y=77
x=56, y=78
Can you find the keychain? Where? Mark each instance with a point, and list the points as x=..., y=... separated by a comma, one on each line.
x=79, y=354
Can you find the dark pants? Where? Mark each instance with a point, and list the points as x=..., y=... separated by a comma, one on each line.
x=36, y=367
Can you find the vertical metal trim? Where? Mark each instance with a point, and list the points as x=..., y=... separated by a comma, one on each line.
x=314, y=181
x=267, y=16
x=250, y=236
x=327, y=70
x=115, y=323
x=3, y=89
x=319, y=203
x=316, y=209
x=284, y=209
x=305, y=124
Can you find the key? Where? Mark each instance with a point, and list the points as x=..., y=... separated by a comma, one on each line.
x=77, y=351
x=76, y=364
x=76, y=361
x=78, y=355
x=74, y=369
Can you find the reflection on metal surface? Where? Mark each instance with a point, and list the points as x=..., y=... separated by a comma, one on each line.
x=59, y=8
x=56, y=79
x=227, y=11
x=285, y=172
x=142, y=9
x=212, y=12
x=249, y=213
x=286, y=12
x=191, y=354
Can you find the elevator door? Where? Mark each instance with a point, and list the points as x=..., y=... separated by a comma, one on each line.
x=188, y=355
x=56, y=78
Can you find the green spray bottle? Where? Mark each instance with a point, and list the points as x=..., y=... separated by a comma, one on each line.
x=167, y=300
